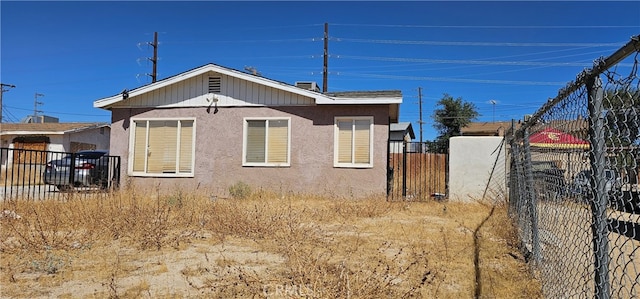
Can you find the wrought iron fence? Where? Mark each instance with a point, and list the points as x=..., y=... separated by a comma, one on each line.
x=573, y=183
x=34, y=174
x=417, y=171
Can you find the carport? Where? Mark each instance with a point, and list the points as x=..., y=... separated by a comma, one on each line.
x=560, y=146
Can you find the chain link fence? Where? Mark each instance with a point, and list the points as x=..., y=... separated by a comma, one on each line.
x=573, y=183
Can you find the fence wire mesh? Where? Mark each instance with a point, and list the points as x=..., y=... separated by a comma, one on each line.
x=573, y=183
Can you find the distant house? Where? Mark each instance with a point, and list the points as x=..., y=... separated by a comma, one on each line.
x=212, y=127
x=487, y=128
x=398, y=134
x=59, y=137
x=577, y=127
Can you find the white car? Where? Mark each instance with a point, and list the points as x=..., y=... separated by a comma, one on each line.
x=91, y=168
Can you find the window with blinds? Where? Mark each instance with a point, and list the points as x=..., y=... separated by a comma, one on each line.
x=353, y=142
x=266, y=142
x=162, y=147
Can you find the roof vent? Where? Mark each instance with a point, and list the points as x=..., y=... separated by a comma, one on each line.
x=215, y=84
x=308, y=85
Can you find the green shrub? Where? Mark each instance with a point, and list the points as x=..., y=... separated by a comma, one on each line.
x=240, y=190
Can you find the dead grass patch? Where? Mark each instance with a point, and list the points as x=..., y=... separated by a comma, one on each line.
x=266, y=245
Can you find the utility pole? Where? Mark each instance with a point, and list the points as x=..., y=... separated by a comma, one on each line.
x=420, y=122
x=493, y=102
x=326, y=57
x=35, y=106
x=2, y=90
x=154, y=60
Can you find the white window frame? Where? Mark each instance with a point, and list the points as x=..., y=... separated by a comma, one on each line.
x=245, y=126
x=336, y=142
x=132, y=130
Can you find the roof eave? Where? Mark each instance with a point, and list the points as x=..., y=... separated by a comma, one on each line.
x=53, y=132
x=360, y=101
x=97, y=126
x=7, y=133
x=411, y=133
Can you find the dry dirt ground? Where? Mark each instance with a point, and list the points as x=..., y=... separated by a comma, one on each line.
x=129, y=246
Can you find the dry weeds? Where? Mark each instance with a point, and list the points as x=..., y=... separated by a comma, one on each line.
x=21, y=174
x=146, y=245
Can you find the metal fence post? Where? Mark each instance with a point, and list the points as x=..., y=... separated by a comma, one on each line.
x=389, y=167
x=600, y=196
x=513, y=180
x=117, y=172
x=404, y=170
x=533, y=202
x=72, y=170
x=515, y=187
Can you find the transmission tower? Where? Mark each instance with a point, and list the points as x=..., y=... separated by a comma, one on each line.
x=35, y=106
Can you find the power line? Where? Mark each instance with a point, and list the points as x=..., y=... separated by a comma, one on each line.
x=2, y=90
x=493, y=26
x=478, y=62
x=261, y=28
x=10, y=117
x=395, y=66
x=443, y=79
x=4, y=115
x=309, y=39
x=484, y=44
x=54, y=112
x=277, y=57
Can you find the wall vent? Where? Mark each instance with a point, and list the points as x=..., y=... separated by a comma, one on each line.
x=215, y=84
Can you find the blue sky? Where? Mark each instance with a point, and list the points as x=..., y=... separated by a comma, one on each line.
x=516, y=53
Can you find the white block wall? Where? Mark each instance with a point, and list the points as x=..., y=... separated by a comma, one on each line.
x=471, y=162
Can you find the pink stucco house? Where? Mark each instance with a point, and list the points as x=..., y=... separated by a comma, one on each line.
x=212, y=127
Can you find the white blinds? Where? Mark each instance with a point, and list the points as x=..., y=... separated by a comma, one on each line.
x=267, y=141
x=361, y=140
x=140, y=146
x=345, y=141
x=278, y=141
x=186, y=146
x=167, y=146
x=256, y=137
x=354, y=141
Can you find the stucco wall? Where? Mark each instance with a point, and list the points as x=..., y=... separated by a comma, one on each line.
x=471, y=168
x=97, y=136
x=218, y=161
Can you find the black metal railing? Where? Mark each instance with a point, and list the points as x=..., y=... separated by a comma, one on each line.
x=417, y=171
x=34, y=174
